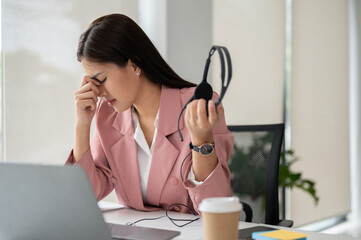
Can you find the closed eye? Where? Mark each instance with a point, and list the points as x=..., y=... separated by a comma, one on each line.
x=101, y=82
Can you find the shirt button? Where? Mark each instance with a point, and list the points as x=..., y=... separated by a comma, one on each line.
x=114, y=180
x=174, y=181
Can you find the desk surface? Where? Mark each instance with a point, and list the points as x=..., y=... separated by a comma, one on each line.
x=192, y=231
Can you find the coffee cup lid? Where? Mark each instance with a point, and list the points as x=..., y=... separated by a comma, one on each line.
x=220, y=205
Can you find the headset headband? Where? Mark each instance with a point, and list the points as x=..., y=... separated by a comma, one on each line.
x=220, y=50
x=204, y=90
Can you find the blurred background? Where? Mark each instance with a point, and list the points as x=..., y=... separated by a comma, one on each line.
x=294, y=61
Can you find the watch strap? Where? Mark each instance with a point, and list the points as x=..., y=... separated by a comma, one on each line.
x=197, y=148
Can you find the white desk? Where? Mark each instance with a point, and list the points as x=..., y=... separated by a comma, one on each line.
x=192, y=231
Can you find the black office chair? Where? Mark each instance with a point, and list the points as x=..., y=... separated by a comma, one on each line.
x=254, y=168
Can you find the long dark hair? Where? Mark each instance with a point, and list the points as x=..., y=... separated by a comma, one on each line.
x=116, y=38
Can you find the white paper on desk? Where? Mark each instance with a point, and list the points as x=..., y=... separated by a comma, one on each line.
x=109, y=206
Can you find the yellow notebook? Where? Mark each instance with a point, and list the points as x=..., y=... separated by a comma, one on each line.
x=279, y=235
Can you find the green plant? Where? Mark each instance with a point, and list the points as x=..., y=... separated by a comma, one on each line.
x=248, y=177
x=288, y=178
x=249, y=171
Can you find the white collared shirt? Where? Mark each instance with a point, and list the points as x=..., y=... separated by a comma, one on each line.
x=145, y=154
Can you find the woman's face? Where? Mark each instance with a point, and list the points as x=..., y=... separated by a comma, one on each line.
x=121, y=84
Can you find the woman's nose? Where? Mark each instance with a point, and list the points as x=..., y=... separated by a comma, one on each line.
x=102, y=92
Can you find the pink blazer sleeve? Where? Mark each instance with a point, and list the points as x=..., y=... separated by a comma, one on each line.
x=97, y=168
x=218, y=184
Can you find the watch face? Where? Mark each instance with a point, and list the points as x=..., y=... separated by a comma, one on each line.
x=206, y=149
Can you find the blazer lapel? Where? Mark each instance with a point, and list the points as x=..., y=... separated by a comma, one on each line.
x=124, y=153
x=165, y=153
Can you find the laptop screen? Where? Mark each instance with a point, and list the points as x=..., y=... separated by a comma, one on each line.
x=48, y=202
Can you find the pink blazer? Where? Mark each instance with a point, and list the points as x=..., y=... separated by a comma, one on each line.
x=111, y=161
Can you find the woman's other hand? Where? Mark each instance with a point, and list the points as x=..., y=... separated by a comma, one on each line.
x=200, y=125
x=86, y=98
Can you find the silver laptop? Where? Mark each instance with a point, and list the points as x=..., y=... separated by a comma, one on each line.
x=55, y=202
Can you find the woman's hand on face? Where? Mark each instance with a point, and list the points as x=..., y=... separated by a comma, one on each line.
x=86, y=98
x=200, y=125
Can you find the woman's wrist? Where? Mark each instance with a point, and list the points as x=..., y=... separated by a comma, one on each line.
x=199, y=139
x=82, y=141
x=82, y=125
x=202, y=165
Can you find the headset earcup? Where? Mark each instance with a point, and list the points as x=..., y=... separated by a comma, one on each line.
x=204, y=91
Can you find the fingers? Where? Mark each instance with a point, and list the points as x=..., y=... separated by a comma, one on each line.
x=215, y=113
x=212, y=113
x=196, y=113
x=220, y=110
x=88, y=85
x=192, y=112
x=89, y=90
x=84, y=104
x=202, y=113
x=87, y=79
x=86, y=100
x=87, y=95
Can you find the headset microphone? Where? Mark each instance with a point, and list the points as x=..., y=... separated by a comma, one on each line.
x=204, y=89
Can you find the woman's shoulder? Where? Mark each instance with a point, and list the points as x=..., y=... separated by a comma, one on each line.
x=173, y=94
x=186, y=93
x=187, y=90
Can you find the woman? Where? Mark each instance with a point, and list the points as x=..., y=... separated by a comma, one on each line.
x=136, y=149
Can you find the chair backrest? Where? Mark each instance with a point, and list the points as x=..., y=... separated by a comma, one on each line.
x=254, y=168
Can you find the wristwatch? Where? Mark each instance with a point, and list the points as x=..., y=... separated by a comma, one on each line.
x=205, y=149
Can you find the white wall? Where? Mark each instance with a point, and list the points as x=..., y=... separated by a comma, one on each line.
x=189, y=37
x=152, y=16
x=355, y=103
x=320, y=106
x=253, y=32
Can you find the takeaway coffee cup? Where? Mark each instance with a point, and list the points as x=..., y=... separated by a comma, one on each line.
x=220, y=217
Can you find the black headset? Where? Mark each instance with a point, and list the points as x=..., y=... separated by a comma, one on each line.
x=204, y=89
